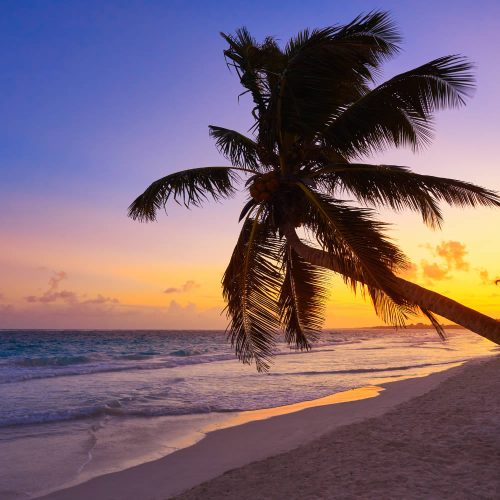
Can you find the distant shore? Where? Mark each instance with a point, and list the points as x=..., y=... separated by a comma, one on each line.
x=438, y=431
x=419, y=326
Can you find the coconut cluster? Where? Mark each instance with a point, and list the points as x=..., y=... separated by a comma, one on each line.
x=264, y=186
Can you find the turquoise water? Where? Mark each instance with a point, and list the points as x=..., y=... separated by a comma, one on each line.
x=105, y=400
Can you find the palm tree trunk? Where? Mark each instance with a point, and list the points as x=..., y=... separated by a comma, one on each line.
x=443, y=306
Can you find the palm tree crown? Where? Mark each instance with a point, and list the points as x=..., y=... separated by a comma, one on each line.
x=318, y=112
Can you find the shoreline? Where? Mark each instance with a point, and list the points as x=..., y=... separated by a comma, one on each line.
x=444, y=443
x=273, y=433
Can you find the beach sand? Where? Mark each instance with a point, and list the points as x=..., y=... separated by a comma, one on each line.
x=443, y=444
x=431, y=437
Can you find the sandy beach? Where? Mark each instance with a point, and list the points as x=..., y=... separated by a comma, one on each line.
x=443, y=444
x=430, y=437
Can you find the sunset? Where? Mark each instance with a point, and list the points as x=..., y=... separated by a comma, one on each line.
x=190, y=190
x=101, y=101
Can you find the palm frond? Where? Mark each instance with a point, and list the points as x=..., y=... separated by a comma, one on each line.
x=373, y=33
x=391, y=312
x=247, y=209
x=373, y=36
x=399, y=111
x=400, y=188
x=237, y=148
x=259, y=67
x=435, y=323
x=330, y=67
x=356, y=241
x=191, y=187
x=302, y=299
x=394, y=310
x=242, y=52
x=250, y=287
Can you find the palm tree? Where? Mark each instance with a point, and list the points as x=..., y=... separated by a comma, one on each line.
x=317, y=114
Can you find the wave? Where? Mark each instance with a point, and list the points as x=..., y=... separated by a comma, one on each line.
x=52, y=361
x=25, y=371
x=365, y=370
x=113, y=408
x=185, y=352
x=135, y=357
x=132, y=407
x=26, y=368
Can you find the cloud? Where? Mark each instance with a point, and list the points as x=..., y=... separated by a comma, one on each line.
x=452, y=255
x=187, y=287
x=47, y=297
x=100, y=300
x=486, y=279
x=175, y=308
x=191, y=315
x=54, y=295
x=433, y=271
x=410, y=273
x=113, y=315
x=6, y=308
x=483, y=274
x=58, y=307
x=453, y=252
x=56, y=278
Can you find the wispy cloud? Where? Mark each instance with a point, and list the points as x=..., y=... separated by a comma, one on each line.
x=188, y=286
x=451, y=255
x=54, y=295
x=453, y=252
x=485, y=277
x=433, y=271
x=5, y=308
x=411, y=272
x=100, y=299
x=483, y=274
x=60, y=306
x=100, y=313
x=56, y=278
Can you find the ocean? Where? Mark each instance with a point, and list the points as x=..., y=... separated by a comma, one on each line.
x=77, y=404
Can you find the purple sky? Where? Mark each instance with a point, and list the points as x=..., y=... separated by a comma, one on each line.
x=98, y=99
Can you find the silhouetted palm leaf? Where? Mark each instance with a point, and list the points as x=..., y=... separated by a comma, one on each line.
x=330, y=67
x=374, y=32
x=243, y=52
x=189, y=186
x=352, y=237
x=302, y=299
x=237, y=148
x=249, y=205
x=392, y=312
x=399, y=188
x=250, y=286
x=399, y=112
x=435, y=323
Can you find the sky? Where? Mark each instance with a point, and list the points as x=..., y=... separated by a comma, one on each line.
x=98, y=99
